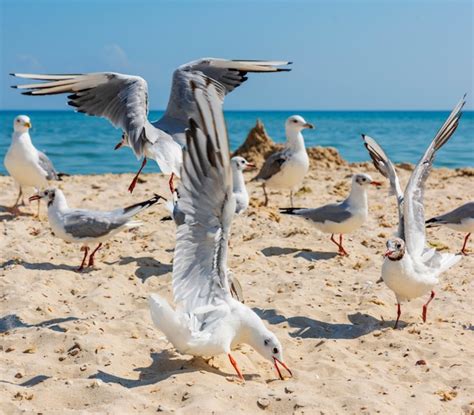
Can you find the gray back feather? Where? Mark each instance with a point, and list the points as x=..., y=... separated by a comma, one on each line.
x=90, y=224
x=47, y=166
x=272, y=165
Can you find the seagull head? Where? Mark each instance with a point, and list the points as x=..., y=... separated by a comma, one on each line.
x=49, y=195
x=364, y=180
x=395, y=249
x=122, y=142
x=267, y=344
x=22, y=124
x=240, y=164
x=297, y=123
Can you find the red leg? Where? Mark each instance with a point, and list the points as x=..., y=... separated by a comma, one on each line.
x=91, y=258
x=463, y=250
x=342, y=251
x=171, y=184
x=425, y=306
x=86, y=251
x=333, y=240
x=135, y=179
x=234, y=363
x=399, y=313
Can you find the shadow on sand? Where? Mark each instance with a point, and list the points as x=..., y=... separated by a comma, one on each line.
x=12, y=321
x=147, y=266
x=305, y=327
x=300, y=253
x=163, y=365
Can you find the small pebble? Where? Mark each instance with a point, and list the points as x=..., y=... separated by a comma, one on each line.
x=263, y=403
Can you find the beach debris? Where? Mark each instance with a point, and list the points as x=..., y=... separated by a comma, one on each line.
x=447, y=395
x=420, y=362
x=263, y=403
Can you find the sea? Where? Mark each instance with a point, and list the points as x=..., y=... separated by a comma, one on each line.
x=79, y=144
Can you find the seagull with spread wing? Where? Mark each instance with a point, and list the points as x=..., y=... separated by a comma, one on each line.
x=410, y=269
x=207, y=321
x=123, y=100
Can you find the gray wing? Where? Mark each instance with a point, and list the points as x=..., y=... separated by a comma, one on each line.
x=414, y=213
x=465, y=211
x=272, y=165
x=47, y=166
x=226, y=74
x=207, y=202
x=334, y=212
x=91, y=224
x=383, y=164
x=122, y=99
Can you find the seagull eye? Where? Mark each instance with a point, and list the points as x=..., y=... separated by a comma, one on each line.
x=275, y=350
x=265, y=342
x=295, y=121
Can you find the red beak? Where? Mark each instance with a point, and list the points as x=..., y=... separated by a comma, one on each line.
x=250, y=166
x=276, y=361
x=388, y=253
x=34, y=197
x=373, y=182
x=118, y=145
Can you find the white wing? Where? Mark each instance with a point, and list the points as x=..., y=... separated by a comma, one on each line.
x=122, y=99
x=383, y=164
x=414, y=214
x=226, y=76
x=208, y=205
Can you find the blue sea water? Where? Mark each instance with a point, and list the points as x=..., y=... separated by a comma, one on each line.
x=78, y=144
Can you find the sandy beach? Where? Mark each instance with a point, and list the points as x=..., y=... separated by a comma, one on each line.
x=75, y=343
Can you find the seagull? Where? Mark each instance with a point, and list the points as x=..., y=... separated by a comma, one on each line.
x=207, y=321
x=88, y=226
x=459, y=219
x=410, y=269
x=286, y=169
x=238, y=165
x=123, y=100
x=28, y=166
x=341, y=218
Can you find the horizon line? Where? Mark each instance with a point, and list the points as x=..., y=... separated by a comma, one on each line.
x=264, y=110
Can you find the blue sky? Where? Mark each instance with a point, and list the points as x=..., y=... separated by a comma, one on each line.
x=360, y=54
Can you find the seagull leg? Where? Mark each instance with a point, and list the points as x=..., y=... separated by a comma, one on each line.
x=342, y=251
x=291, y=198
x=171, y=184
x=91, y=258
x=425, y=306
x=333, y=240
x=38, y=210
x=399, y=313
x=265, y=203
x=135, y=179
x=85, y=248
x=14, y=209
x=463, y=250
x=234, y=363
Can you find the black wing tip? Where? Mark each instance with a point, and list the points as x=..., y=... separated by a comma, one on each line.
x=289, y=211
x=27, y=93
x=14, y=86
x=283, y=70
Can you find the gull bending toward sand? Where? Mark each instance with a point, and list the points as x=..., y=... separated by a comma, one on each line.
x=28, y=166
x=410, y=269
x=341, y=218
x=88, y=226
x=207, y=321
x=123, y=100
x=286, y=169
x=459, y=219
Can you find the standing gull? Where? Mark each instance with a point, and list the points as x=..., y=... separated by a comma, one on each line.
x=239, y=164
x=286, y=169
x=28, y=166
x=410, y=269
x=341, y=218
x=88, y=226
x=207, y=321
x=459, y=219
x=123, y=100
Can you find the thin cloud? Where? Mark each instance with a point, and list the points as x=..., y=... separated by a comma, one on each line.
x=115, y=56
